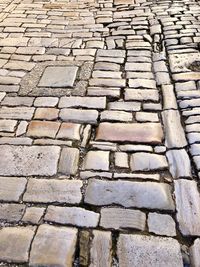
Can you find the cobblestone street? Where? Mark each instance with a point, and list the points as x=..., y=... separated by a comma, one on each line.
x=99, y=133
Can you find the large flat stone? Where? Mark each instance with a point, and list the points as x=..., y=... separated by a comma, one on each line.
x=132, y=132
x=145, y=251
x=53, y=246
x=28, y=161
x=59, y=76
x=72, y=215
x=15, y=243
x=149, y=195
x=188, y=207
x=11, y=188
x=48, y=191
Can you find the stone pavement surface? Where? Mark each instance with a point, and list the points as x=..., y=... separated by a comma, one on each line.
x=99, y=133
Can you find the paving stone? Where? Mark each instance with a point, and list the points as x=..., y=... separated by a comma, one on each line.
x=21, y=113
x=141, y=94
x=17, y=101
x=72, y=215
x=142, y=83
x=46, y=102
x=175, y=136
x=96, y=160
x=80, y=116
x=49, y=191
x=28, y=161
x=14, y=42
x=60, y=252
x=69, y=131
x=121, y=160
x=69, y=159
x=58, y=77
x=19, y=65
x=161, y=224
x=15, y=243
x=131, y=132
x=107, y=82
x=7, y=125
x=147, y=162
x=84, y=102
x=195, y=253
x=12, y=188
x=149, y=195
x=43, y=129
x=33, y=215
x=46, y=113
x=101, y=249
x=187, y=205
x=148, y=251
x=179, y=163
x=146, y=116
x=115, y=115
x=117, y=218
x=11, y=212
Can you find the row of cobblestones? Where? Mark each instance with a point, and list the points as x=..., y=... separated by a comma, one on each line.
x=99, y=133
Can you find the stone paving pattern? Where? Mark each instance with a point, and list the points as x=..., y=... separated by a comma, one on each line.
x=99, y=133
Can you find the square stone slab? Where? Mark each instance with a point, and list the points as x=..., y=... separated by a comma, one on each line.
x=58, y=76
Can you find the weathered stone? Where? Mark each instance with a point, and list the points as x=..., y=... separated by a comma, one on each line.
x=161, y=224
x=84, y=244
x=175, y=136
x=195, y=253
x=121, y=160
x=72, y=215
x=115, y=115
x=69, y=131
x=138, y=250
x=59, y=76
x=53, y=246
x=188, y=207
x=11, y=212
x=117, y=218
x=141, y=94
x=80, y=116
x=49, y=191
x=46, y=114
x=147, y=161
x=28, y=161
x=96, y=160
x=11, y=188
x=149, y=195
x=7, y=125
x=100, y=252
x=33, y=215
x=21, y=113
x=69, y=161
x=43, y=129
x=179, y=163
x=84, y=102
x=132, y=132
x=15, y=243
x=46, y=101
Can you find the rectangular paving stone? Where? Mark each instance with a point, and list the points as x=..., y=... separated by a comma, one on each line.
x=69, y=160
x=141, y=94
x=188, y=207
x=80, y=116
x=84, y=102
x=53, y=246
x=11, y=188
x=49, y=191
x=195, y=253
x=69, y=130
x=117, y=218
x=28, y=161
x=7, y=125
x=11, y=212
x=149, y=195
x=100, y=252
x=43, y=129
x=21, y=113
x=138, y=250
x=131, y=132
x=72, y=215
x=59, y=76
x=15, y=243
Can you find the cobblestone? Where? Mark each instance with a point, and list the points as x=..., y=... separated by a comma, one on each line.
x=99, y=133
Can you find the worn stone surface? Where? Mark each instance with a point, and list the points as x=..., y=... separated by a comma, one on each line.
x=27, y=161
x=188, y=207
x=96, y=160
x=53, y=246
x=11, y=189
x=116, y=218
x=140, y=133
x=195, y=253
x=100, y=252
x=148, y=251
x=129, y=194
x=69, y=159
x=15, y=243
x=161, y=224
x=74, y=216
